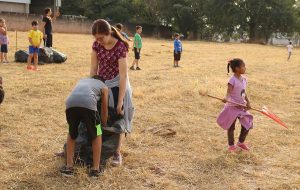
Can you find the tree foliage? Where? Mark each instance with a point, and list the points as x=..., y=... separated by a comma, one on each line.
x=198, y=18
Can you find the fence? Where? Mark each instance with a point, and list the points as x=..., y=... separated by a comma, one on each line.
x=22, y=22
x=284, y=41
x=72, y=24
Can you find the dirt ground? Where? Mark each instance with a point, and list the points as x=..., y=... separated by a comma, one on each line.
x=33, y=125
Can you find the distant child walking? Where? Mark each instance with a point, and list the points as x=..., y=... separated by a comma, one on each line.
x=3, y=41
x=119, y=27
x=236, y=92
x=290, y=49
x=35, y=40
x=137, y=46
x=81, y=106
x=177, y=50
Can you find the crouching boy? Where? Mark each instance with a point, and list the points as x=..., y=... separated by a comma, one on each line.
x=81, y=106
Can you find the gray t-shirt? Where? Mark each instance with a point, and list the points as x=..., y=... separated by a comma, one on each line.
x=86, y=94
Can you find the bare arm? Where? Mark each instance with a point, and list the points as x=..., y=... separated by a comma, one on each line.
x=41, y=42
x=248, y=102
x=3, y=30
x=127, y=37
x=123, y=80
x=229, y=90
x=30, y=41
x=94, y=64
x=104, y=106
x=56, y=15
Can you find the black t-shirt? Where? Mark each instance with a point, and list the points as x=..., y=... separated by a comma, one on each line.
x=48, y=25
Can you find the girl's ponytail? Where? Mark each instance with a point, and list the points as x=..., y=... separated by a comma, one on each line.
x=228, y=65
x=233, y=64
x=115, y=33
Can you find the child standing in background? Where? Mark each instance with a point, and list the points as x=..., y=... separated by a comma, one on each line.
x=137, y=46
x=119, y=27
x=48, y=20
x=35, y=39
x=3, y=41
x=177, y=50
x=290, y=49
x=236, y=92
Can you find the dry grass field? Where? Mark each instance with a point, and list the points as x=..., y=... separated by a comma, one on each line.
x=33, y=125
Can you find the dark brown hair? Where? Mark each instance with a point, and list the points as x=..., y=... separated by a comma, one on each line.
x=119, y=26
x=34, y=23
x=234, y=63
x=138, y=27
x=101, y=26
x=176, y=35
x=97, y=77
x=47, y=10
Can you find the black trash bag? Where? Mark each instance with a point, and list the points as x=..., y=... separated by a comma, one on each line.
x=83, y=154
x=115, y=123
x=46, y=55
x=21, y=56
x=58, y=57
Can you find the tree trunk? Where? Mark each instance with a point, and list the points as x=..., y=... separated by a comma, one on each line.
x=252, y=32
x=268, y=35
x=195, y=34
x=185, y=33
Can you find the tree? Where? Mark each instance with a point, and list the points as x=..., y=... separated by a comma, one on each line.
x=185, y=16
x=222, y=16
x=117, y=10
x=72, y=7
x=257, y=19
x=261, y=18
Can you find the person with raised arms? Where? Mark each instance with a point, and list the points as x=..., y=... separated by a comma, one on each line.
x=47, y=26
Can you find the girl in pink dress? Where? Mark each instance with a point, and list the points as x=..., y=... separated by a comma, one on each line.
x=236, y=92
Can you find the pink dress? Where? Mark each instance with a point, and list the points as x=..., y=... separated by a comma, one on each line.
x=230, y=111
